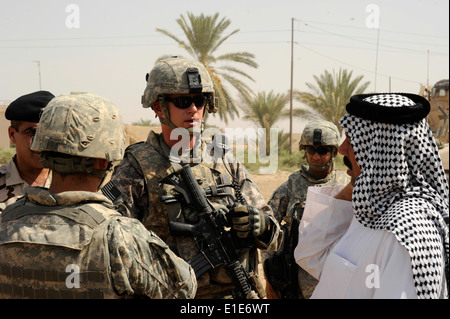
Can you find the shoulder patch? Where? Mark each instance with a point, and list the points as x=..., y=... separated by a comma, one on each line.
x=111, y=191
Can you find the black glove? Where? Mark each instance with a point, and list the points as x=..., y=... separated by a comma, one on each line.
x=249, y=220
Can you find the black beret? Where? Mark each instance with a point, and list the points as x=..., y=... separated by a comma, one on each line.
x=28, y=107
x=391, y=108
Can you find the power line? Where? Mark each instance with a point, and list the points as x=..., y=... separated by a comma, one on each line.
x=264, y=31
x=81, y=38
x=356, y=67
x=371, y=49
x=43, y=46
x=385, y=40
x=365, y=42
x=385, y=30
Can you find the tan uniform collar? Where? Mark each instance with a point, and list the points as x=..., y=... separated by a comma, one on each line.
x=13, y=175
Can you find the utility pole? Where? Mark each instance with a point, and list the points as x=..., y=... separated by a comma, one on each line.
x=428, y=68
x=39, y=70
x=376, y=58
x=292, y=86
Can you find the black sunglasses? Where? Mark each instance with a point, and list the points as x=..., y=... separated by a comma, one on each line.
x=321, y=150
x=184, y=102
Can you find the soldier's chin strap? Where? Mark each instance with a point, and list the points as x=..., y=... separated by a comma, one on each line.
x=329, y=164
x=317, y=141
x=166, y=119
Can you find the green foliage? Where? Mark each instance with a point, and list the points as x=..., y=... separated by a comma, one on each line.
x=331, y=93
x=205, y=35
x=143, y=122
x=339, y=161
x=291, y=162
x=6, y=153
x=265, y=109
x=283, y=141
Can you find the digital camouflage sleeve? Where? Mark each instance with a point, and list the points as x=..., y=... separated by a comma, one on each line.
x=156, y=272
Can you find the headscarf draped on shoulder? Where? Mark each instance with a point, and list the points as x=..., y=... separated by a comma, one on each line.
x=402, y=187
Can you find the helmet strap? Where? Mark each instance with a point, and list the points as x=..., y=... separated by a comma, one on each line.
x=322, y=167
x=166, y=119
x=329, y=164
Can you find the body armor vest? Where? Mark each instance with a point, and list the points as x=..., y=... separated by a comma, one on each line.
x=63, y=252
x=155, y=166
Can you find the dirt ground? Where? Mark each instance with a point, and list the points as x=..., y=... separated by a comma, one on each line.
x=267, y=184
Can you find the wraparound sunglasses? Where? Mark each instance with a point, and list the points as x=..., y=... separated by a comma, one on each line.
x=321, y=150
x=184, y=102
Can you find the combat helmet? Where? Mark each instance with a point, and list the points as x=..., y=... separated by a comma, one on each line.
x=177, y=76
x=320, y=133
x=75, y=129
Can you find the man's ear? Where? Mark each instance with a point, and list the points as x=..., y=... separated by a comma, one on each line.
x=12, y=134
x=157, y=108
x=335, y=152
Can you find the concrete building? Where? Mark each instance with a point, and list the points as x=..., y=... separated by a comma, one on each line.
x=438, y=119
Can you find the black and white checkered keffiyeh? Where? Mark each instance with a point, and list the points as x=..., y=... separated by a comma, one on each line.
x=402, y=187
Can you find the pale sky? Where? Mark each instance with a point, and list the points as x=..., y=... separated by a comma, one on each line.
x=107, y=47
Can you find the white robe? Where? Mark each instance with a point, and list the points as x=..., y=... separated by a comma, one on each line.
x=350, y=260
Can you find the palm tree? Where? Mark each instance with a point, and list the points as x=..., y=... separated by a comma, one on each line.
x=283, y=141
x=205, y=34
x=331, y=94
x=265, y=110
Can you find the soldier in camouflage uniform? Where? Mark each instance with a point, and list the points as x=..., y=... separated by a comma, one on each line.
x=68, y=241
x=179, y=91
x=320, y=140
x=25, y=167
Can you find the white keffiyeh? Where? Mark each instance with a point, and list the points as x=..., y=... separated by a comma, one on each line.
x=402, y=188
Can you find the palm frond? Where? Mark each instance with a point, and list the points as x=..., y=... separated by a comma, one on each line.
x=331, y=93
x=205, y=34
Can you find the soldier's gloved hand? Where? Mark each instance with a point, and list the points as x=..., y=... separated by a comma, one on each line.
x=249, y=220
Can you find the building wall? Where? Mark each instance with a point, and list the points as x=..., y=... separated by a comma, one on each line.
x=441, y=98
x=438, y=121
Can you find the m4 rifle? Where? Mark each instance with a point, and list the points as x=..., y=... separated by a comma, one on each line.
x=217, y=244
